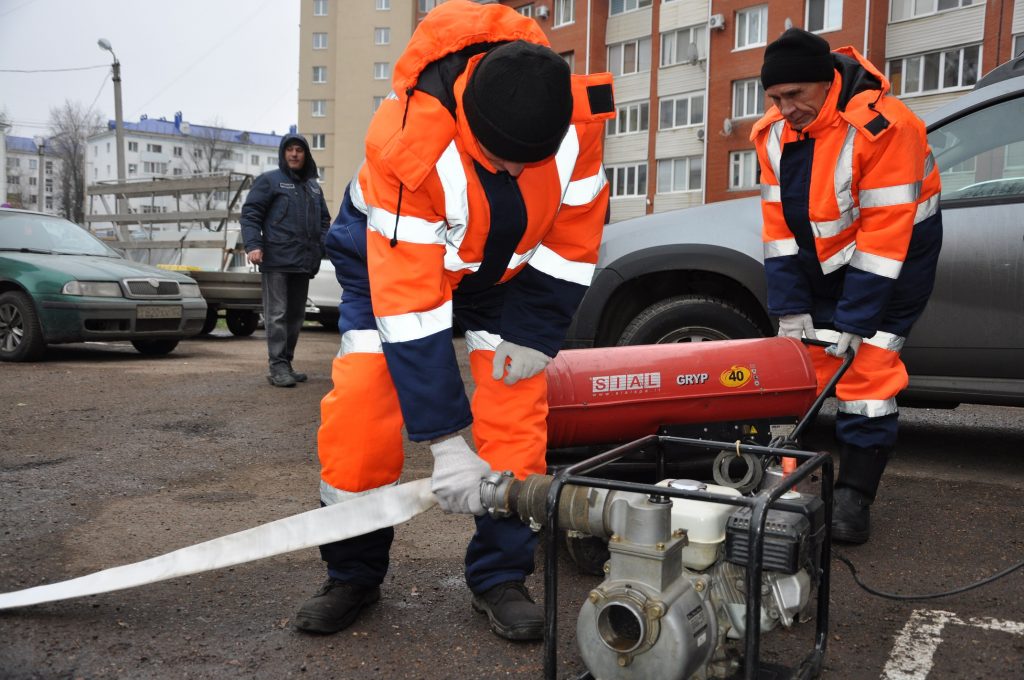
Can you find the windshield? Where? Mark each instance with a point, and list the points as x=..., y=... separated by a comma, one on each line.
x=45, y=233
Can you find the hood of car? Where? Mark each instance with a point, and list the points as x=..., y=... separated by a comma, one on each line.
x=89, y=267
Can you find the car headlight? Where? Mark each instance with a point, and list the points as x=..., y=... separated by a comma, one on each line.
x=189, y=290
x=92, y=288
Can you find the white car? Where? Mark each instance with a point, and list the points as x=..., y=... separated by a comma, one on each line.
x=324, y=296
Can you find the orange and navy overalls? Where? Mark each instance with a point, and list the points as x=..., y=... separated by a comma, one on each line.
x=429, y=233
x=852, y=233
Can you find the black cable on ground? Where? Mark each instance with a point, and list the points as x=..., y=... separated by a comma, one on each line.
x=929, y=596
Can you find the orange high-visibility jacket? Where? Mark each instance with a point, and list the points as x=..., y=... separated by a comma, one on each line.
x=440, y=217
x=852, y=228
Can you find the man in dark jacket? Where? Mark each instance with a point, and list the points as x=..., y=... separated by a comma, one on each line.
x=284, y=221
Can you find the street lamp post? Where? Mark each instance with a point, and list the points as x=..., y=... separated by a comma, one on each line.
x=118, y=127
x=40, y=145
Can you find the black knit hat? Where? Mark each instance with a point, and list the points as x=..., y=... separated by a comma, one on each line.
x=518, y=101
x=797, y=57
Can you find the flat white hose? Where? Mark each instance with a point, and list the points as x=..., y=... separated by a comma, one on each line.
x=356, y=516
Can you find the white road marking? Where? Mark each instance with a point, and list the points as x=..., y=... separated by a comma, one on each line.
x=912, y=655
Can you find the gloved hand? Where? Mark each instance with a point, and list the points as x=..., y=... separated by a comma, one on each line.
x=797, y=326
x=846, y=341
x=524, y=362
x=457, y=474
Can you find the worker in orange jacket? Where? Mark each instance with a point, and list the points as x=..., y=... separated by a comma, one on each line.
x=852, y=233
x=482, y=200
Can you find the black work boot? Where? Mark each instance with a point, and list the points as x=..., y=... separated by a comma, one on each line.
x=860, y=471
x=279, y=378
x=512, y=612
x=334, y=607
x=299, y=377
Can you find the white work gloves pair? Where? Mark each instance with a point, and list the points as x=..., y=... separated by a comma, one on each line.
x=802, y=326
x=523, y=362
x=457, y=474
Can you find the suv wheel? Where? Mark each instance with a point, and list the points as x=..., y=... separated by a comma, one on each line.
x=689, y=318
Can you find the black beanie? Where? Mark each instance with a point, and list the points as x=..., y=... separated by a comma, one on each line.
x=518, y=101
x=797, y=57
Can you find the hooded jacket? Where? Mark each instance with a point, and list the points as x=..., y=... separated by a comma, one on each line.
x=852, y=228
x=285, y=215
x=440, y=218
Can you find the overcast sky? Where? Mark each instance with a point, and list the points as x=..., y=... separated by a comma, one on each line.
x=233, y=62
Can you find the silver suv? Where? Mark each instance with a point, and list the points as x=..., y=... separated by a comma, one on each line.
x=696, y=274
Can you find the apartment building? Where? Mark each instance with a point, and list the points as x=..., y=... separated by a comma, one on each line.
x=23, y=159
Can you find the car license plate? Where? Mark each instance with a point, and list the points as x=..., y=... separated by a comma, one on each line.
x=158, y=312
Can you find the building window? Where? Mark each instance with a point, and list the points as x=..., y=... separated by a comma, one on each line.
x=382, y=36
x=377, y=101
x=627, y=180
x=824, y=15
x=271, y=160
x=629, y=118
x=383, y=5
x=154, y=168
x=747, y=98
x=319, y=74
x=13, y=162
x=177, y=171
x=685, y=46
x=680, y=174
x=525, y=10
x=31, y=181
x=49, y=203
x=316, y=141
x=319, y=8
x=935, y=71
x=742, y=170
x=319, y=41
x=321, y=174
x=633, y=56
x=32, y=164
x=752, y=27
x=133, y=146
x=381, y=70
x=910, y=9
x=108, y=147
x=319, y=108
x=49, y=167
x=1018, y=45
x=133, y=169
x=563, y=13
x=155, y=148
x=570, y=59
x=14, y=179
x=176, y=151
x=427, y=5
x=254, y=159
x=49, y=186
x=681, y=111
x=623, y=6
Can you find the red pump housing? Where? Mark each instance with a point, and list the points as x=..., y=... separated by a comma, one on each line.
x=618, y=394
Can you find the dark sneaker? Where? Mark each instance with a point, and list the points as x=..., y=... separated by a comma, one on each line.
x=281, y=380
x=512, y=612
x=334, y=607
x=851, y=516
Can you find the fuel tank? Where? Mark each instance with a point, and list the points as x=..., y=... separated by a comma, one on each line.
x=618, y=394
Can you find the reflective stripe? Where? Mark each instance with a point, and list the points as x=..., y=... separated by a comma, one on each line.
x=553, y=264
x=842, y=177
x=408, y=229
x=771, y=193
x=355, y=192
x=780, y=248
x=926, y=209
x=584, y=191
x=929, y=163
x=845, y=221
x=887, y=341
x=329, y=495
x=360, y=342
x=482, y=340
x=518, y=259
x=895, y=195
x=869, y=408
x=773, y=146
x=565, y=160
x=876, y=264
x=415, y=325
x=452, y=175
x=839, y=259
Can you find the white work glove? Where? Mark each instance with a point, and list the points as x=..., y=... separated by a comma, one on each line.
x=797, y=326
x=846, y=341
x=457, y=474
x=523, y=362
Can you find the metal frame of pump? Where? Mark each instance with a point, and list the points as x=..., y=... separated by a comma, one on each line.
x=808, y=463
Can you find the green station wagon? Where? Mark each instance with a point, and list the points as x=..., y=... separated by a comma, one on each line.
x=59, y=283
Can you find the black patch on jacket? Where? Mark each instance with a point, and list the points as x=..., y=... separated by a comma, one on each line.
x=877, y=124
x=600, y=98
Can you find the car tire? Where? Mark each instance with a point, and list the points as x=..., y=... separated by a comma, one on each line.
x=211, y=321
x=21, y=336
x=242, y=322
x=155, y=348
x=689, y=318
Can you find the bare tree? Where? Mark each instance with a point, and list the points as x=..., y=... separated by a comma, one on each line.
x=70, y=126
x=209, y=154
